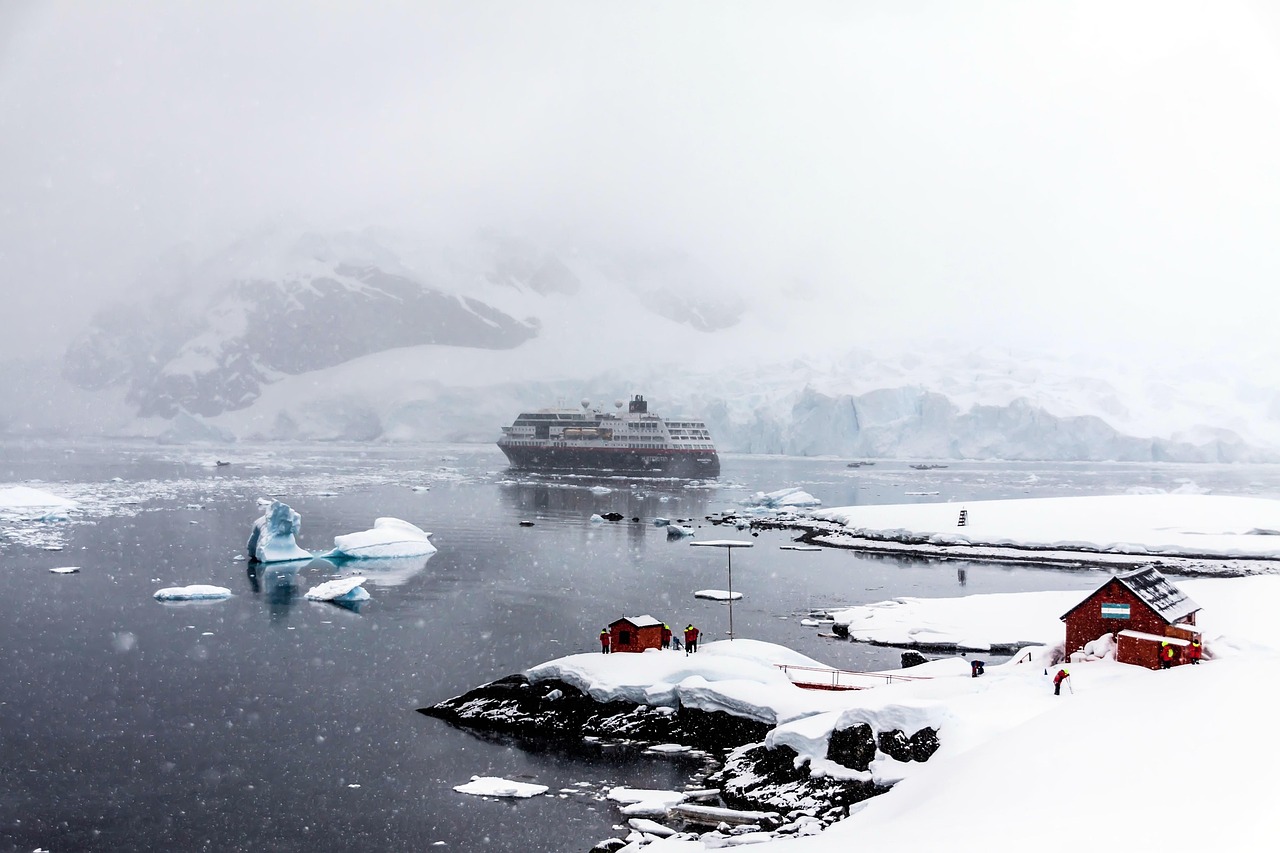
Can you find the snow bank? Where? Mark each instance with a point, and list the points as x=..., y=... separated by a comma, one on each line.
x=389, y=537
x=272, y=539
x=195, y=592
x=1168, y=524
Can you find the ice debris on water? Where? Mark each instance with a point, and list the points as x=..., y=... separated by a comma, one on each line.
x=342, y=589
x=65, y=570
x=597, y=518
x=494, y=786
x=389, y=537
x=194, y=592
x=790, y=497
x=272, y=539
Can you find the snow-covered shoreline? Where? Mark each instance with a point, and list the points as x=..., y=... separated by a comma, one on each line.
x=847, y=745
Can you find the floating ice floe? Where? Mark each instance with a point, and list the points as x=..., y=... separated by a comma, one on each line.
x=676, y=531
x=342, y=589
x=661, y=522
x=495, y=786
x=792, y=497
x=195, y=592
x=389, y=537
x=65, y=570
x=600, y=490
x=799, y=548
x=272, y=539
x=597, y=518
x=717, y=594
x=25, y=499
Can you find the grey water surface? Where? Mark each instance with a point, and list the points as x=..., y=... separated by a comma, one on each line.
x=269, y=722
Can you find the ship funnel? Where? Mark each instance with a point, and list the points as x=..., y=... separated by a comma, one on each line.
x=585, y=402
x=617, y=404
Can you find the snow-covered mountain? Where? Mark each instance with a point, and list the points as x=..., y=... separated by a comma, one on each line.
x=374, y=336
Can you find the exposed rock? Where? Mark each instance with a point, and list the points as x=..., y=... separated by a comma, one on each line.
x=756, y=777
x=555, y=709
x=910, y=657
x=853, y=747
x=918, y=747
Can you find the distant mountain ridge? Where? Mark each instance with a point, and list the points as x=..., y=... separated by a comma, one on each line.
x=283, y=307
x=294, y=335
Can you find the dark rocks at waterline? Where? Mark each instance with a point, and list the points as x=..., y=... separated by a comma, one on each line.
x=854, y=747
x=555, y=709
x=756, y=777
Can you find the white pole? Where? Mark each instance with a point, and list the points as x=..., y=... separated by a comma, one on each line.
x=730, y=550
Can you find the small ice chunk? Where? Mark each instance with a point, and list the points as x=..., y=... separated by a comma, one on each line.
x=194, y=592
x=389, y=537
x=717, y=594
x=596, y=518
x=600, y=490
x=65, y=570
x=676, y=531
x=342, y=589
x=640, y=824
x=495, y=786
x=272, y=539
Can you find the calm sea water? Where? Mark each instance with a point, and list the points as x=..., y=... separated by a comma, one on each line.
x=268, y=722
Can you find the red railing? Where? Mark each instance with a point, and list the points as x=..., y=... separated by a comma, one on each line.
x=821, y=678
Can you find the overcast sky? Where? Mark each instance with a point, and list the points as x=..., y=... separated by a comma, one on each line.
x=1050, y=173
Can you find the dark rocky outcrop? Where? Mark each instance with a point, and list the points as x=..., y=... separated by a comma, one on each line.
x=918, y=747
x=554, y=709
x=756, y=777
x=853, y=747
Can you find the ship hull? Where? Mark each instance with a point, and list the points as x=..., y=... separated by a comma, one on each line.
x=692, y=464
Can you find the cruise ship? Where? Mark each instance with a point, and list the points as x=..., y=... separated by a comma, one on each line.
x=592, y=440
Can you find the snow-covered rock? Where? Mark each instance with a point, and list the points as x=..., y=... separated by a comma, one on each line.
x=272, y=539
x=388, y=538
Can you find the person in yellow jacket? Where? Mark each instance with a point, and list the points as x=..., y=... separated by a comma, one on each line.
x=1168, y=654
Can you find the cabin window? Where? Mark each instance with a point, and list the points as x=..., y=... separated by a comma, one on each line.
x=624, y=638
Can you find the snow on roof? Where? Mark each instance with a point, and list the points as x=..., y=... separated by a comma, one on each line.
x=1155, y=589
x=638, y=621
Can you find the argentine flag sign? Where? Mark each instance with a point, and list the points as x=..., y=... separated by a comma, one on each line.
x=1115, y=611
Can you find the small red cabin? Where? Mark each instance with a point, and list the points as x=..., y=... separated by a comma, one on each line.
x=1133, y=607
x=635, y=634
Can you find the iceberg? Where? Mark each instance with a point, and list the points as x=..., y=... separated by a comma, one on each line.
x=195, y=592
x=389, y=537
x=342, y=589
x=792, y=497
x=22, y=498
x=676, y=531
x=272, y=539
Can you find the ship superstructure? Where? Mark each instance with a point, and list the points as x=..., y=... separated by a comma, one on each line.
x=593, y=440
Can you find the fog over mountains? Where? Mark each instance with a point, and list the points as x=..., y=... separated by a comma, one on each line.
x=377, y=336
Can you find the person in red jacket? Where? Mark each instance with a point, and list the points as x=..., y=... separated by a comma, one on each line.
x=690, y=639
x=1062, y=676
x=666, y=635
x=1193, y=651
x=604, y=641
x=1168, y=654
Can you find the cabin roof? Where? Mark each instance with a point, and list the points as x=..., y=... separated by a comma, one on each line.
x=645, y=621
x=1155, y=590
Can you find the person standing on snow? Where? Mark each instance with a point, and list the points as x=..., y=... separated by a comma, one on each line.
x=1194, y=651
x=604, y=641
x=666, y=635
x=690, y=639
x=1062, y=676
x=1168, y=654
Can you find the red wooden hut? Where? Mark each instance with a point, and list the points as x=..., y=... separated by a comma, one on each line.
x=635, y=634
x=1139, y=608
